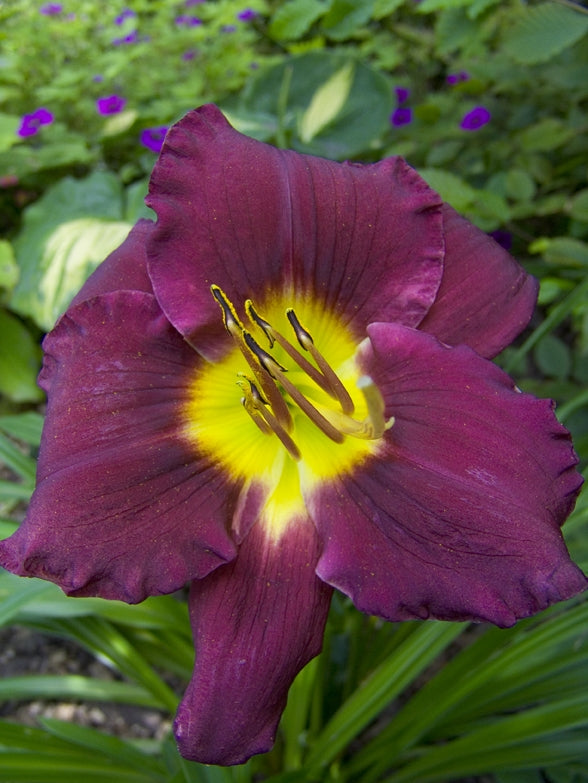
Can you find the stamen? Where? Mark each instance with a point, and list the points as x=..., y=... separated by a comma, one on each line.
x=338, y=390
x=278, y=373
x=255, y=403
x=235, y=328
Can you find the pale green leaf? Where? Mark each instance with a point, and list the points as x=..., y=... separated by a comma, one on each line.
x=326, y=103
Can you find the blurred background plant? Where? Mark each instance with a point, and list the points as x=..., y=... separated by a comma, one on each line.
x=488, y=99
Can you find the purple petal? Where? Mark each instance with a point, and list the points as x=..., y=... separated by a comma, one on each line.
x=123, y=508
x=486, y=298
x=125, y=269
x=254, y=219
x=256, y=623
x=459, y=516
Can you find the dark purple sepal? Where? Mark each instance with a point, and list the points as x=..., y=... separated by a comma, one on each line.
x=256, y=623
x=459, y=515
x=365, y=240
x=125, y=269
x=486, y=298
x=124, y=507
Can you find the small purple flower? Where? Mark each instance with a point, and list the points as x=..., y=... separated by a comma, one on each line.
x=152, y=138
x=228, y=28
x=456, y=78
x=190, y=3
x=98, y=78
x=402, y=94
x=401, y=116
x=51, y=9
x=126, y=13
x=188, y=21
x=189, y=55
x=111, y=104
x=30, y=123
x=132, y=37
x=247, y=15
x=476, y=118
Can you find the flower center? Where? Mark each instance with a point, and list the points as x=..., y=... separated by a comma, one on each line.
x=285, y=413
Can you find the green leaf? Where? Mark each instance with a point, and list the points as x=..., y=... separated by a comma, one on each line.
x=9, y=125
x=539, y=32
x=23, y=465
x=63, y=263
x=450, y=187
x=76, y=687
x=579, y=206
x=326, y=103
x=8, y=265
x=345, y=16
x=553, y=357
x=103, y=744
x=20, y=361
x=545, y=135
x=377, y=691
x=294, y=18
x=384, y=8
x=520, y=186
x=65, y=234
x=347, y=134
x=23, y=426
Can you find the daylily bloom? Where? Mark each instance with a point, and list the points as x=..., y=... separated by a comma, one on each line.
x=280, y=388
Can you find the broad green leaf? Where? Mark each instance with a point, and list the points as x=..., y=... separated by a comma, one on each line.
x=68, y=257
x=294, y=18
x=538, y=33
x=64, y=235
x=428, y=6
x=383, y=8
x=348, y=134
x=326, y=103
x=8, y=266
x=345, y=16
x=579, y=206
x=545, y=135
x=450, y=187
x=519, y=185
x=553, y=357
x=20, y=361
x=8, y=131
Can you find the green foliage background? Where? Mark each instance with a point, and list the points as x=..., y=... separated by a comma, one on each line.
x=413, y=702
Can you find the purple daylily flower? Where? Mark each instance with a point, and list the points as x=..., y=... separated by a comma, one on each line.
x=110, y=104
x=392, y=461
x=31, y=123
x=476, y=118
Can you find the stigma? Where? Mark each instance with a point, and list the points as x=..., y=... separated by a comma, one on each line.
x=290, y=377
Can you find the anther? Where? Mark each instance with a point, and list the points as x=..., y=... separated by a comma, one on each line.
x=335, y=387
x=256, y=407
